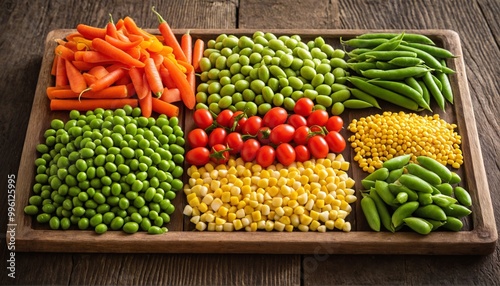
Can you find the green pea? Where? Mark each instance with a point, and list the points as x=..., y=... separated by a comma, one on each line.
x=131, y=227
x=117, y=223
x=155, y=230
x=31, y=209
x=308, y=72
x=289, y=103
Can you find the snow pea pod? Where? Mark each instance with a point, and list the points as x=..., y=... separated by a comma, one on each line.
x=356, y=104
x=379, y=174
x=382, y=189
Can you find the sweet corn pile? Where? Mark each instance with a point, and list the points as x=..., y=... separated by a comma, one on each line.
x=311, y=196
x=380, y=137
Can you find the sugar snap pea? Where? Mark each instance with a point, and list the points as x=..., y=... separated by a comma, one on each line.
x=463, y=196
x=425, y=198
x=394, y=175
x=370, y=211
x=397, y=162
x=435, y=223
x=436, y=167
x=415, y=183
x=398, y=188
x=382, y=189
x=385, y=217
x=443, y=200
x=453, y=224
x=430, y=211
x=402, y=212
x=425, y=174
x=419, y=225
x=379, y=174
x=457, y=210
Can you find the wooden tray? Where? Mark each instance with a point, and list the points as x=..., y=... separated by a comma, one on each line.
x=478, y=237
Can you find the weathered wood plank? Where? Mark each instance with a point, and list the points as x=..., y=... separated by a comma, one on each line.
x=283, y=14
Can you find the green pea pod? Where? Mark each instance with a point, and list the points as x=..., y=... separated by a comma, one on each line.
x=419, y=225
x=446, y=86
x=356, y=104
x=406, y=61
x=361, y=66
x=411, y=81
x=379, y=174
x=383, y=212
x=445, y=189
x=415, y=183
x=385, y=55
x=407, y=37
x=421, y=172
x=363, y=43
x=436, y=52
x=443, y=200
x=394, y=175
x=463, y=196
x=365, y=97
x=391, y=44
x=382, y=189
x=425, y=92
x=398, y=188
x=403, y=89
x=397, y=162
x=402, y=212
x=430, y=211
x=453, y=224
x=435, y=223
x=457, y=211
x=429, y=60
x=425, y=199
x=395, y=74
x=436, y=167
x=371, y=214
x=383, y=65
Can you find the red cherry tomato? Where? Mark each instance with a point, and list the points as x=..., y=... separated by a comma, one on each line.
x=334, y=123
x=335, y=141
x=265, y=156
x=263, y=135
x=217, y=136
x=224, y=118
x=275, y=117
x=198, y=156
x=234, y=141
x=249, y=150
x=302, y=154
x=318, y=117
x=282, y=133
x=238, y=120
x=296, y=120
x=301, y=135
x=318, y=146
x=304, y=106
x=252, y=125
x=219, y=154
x=203, y=118
x=197, y=138
x=285, y=154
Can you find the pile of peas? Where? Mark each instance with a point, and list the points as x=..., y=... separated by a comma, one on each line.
x=108, y=169
x=254, y=74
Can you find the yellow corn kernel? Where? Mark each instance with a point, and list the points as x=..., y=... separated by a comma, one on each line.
x=277, y=202
x=303, y=198
x=299, y=210
x=292, y=203
x=195, y=219
x=265, y=210
x=188, y=210
x=339, y=223
x=285, y=220
x=246, y=190
x=350, y=199
x=201, y=226
x=314, y=225
x=234, y=200
x=346, y=227
x=222, y=211
x=237, y=224
x=231, y=217
x=216, y=204
x=194, y=202
x=310, y=204
x=256, y=215
x=203, y=207
x=269, y=225
x=240, y=213
x=320, y=203
x=196, y=211
x=279, y=226
x=305, y=219
x=220, y=221
x=304, y=228
x=330, y=224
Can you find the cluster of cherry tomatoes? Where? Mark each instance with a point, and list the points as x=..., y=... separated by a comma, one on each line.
x=277, y=136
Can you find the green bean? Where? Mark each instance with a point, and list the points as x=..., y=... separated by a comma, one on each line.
x=384, y=94
x=371, y=214
x=419, y=225
x=408, y=37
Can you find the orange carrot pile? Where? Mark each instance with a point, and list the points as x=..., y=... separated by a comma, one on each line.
x=123, y=64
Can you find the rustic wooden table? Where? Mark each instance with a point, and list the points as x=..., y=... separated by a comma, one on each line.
x=25, y=25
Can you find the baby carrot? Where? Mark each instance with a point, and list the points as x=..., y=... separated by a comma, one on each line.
x=65, y=53
x=111, y=28
x=132, y=28
x=115, y=91
x=169, y=37
x=199, y=47
x=115, y=53
x=89, y=78
x=171, y=95
x=91, y=104
x=191, y=78
x=187, y=46
x=54, y=66
x=84, y=66
x=166, y=78
x=153, y=77
x=94, y=57
x=90, y=32
x=136, y=75
x=181, y=83
x=98, y=71
x=105, y=81
x=146, y=105
x=75, y=78
x=162, y=107
x=61, y=76
x=122, y=45
x=188, y=67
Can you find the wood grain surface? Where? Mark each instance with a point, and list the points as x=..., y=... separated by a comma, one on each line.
x=25, y=25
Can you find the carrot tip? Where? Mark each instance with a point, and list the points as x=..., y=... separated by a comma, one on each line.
x=83, y=91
